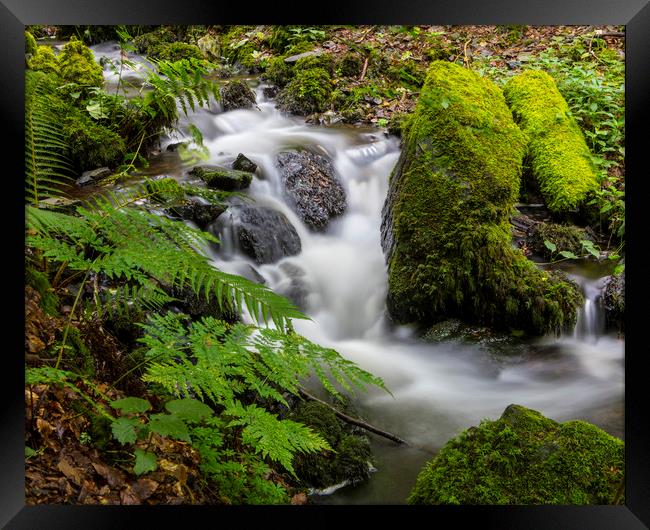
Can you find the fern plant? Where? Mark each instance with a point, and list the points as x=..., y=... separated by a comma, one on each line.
x=47, y=166
x=231, y=364
x=145, y=255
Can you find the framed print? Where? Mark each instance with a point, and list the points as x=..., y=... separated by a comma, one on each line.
x=376, y=258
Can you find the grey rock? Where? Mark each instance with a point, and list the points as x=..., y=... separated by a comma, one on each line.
x=264, y=234
x=312, y=187
x=299, y=56
x=90, y=177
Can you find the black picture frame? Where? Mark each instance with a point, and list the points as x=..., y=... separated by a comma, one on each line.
x=634, y=14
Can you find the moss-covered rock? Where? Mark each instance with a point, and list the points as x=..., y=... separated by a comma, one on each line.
x=278, y=72
x=223, y=179
x=348, y=462
x=44, y=60
x=308, y=92
x=445, y=229
x=236, y=95
x=350, y=64
x=30, y=43
x=151, y=43
x=91, y=145
x=176, y=51
x=564, y=237
x=524, y=458
x=559, y=157
x=77, y=65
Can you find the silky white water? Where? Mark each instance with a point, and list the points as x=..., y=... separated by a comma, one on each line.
x=437, y=389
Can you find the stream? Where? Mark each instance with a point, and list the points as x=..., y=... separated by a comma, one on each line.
x=438, y=389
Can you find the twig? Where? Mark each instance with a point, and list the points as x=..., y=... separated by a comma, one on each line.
x=466, y=59
x=354, y=421
x=363, y=71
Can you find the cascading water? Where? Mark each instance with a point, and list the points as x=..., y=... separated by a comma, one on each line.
x=438, y=389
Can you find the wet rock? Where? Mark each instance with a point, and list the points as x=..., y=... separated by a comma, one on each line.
x=270, y=92
x=352, y=457
x=196, y=211
x=175, y=146
x=243, y=163
x=312, y=187
x=525, y=458
x=188, y=302
x=222, y=178
x=91, y=177
x=564, y=237
x=264, y=234
x=296, y=288
x=613, y=301
x=237, y=95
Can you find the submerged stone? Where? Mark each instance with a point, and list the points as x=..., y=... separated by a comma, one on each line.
x=445, y=226
x=196, y=211
x=310, y=183
x=559, y=157
x=525, y=458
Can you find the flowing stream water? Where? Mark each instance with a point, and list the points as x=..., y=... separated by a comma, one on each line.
x=438, y=389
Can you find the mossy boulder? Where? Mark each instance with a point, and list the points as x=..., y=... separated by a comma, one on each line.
x=177, y=51
x=91, y=145
x=559, y=158
x=152, y=42
x=222, y=178
x=308, y=92
x=351, y=456
x=564, y=237
x=77, y=65
x=237, y=95
x=525, y=458
x=278, y=72
x=44, y=60
x=445, y=226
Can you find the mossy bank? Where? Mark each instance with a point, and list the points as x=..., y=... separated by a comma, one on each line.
x=445, y=220
x=525, y=458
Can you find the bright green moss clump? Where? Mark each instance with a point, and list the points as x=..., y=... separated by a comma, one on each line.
x=78, y=65
x=525, y=458
x=30, y=43
x=308, y=92
x=445, y=229
x=559, y=157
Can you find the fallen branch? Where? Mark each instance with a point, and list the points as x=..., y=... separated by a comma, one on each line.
x=354, y=421
x=363, y=71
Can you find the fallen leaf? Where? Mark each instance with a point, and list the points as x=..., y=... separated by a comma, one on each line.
x=73, y=473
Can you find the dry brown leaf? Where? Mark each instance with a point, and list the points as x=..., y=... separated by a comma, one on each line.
x=73, y=473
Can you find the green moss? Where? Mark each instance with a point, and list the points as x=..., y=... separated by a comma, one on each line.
x=278, y=72
x=92, y=145
x=30, y=43
x=559, y=157
x=324, y=61
x=308, y=92
x=223, y=179
x=238, y=47
x=445, y=228
x=564, y=237
x=77, y=65
x=38, y=280
x=153, y=42
x=176, y=51
x=348, y=461
x=524, y=458
x=44, y=61
x=350, y=65
x=279, y=39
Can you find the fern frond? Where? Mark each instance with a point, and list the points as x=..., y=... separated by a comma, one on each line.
x=275, y=439
x=47, y=166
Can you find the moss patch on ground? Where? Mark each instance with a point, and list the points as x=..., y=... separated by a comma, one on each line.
x=525, y=458
x=445, y=229
x=559, y=157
